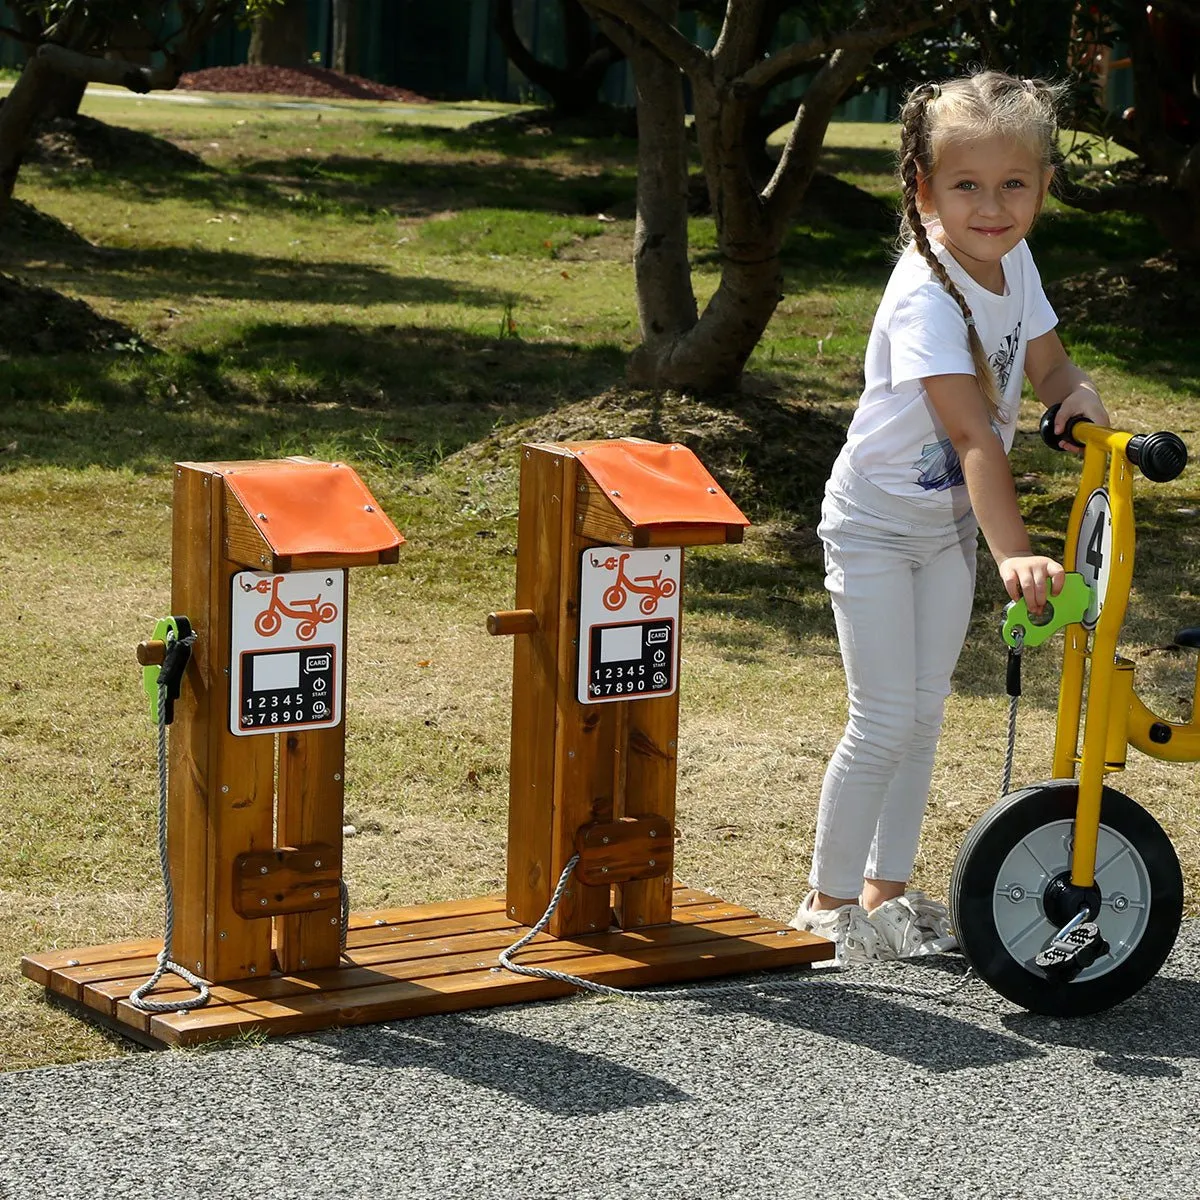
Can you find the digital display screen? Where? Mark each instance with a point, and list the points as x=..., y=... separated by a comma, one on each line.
x=620, y=643
x=274, y=671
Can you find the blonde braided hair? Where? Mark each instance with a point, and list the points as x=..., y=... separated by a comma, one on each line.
x=986, y=104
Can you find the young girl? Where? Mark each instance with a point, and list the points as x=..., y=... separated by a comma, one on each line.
x=962, y=322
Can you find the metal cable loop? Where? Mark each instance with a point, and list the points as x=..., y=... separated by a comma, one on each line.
x=165, y=963
x=723, y=989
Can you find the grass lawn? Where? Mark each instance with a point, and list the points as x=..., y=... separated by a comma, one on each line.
x=415, y=294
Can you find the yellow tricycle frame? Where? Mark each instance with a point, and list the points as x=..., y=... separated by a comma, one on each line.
x=1115, y=715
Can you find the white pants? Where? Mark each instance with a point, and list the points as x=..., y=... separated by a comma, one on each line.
x=902, y=581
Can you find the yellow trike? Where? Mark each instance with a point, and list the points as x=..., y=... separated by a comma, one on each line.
x=1066, y=896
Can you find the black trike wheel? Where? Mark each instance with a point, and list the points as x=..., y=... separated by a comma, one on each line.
x=1017, y=850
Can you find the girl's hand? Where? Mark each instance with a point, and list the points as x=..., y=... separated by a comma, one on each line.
x=1033, y=576
x=1082, y=402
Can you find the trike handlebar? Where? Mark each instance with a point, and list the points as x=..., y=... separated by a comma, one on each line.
x=1161, y=456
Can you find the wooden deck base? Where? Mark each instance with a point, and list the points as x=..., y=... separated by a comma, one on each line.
x=410, y=962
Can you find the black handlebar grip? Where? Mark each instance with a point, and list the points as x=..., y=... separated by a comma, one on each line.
x=1046, y=428
x=1161, y=457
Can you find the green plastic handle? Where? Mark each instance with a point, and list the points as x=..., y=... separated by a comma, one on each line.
x=1067, y=608
x=162, y=627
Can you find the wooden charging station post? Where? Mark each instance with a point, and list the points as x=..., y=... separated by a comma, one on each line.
x=260, y=552
x=595, y=718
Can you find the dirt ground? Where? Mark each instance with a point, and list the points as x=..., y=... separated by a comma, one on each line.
x=312, y=82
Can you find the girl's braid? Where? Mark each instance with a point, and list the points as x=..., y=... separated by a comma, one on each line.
x=915, y=157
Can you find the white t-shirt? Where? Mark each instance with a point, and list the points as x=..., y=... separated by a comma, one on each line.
x=895, y=439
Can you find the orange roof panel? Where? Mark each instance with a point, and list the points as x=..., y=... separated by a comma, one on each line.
x=312, y=508
x=652, y=483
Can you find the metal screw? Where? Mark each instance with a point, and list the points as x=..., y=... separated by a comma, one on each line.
x=253, y=969
x=654, y=833
x=333, y=920
x=316, y=895
x=512, y=912
x=380, y=921
x=368, y=508
x=604, y=841
x=670, y=745
x=263, y=903
x=224, y=787
x=316, y=862
x=72, y=962
x=222, y=935
x=337, y=775
x=262, y=516
x=652, y=863
x=304, y=962
x=262, y=870
x=199, y=967
x=570, y=753
x=1016, y=893
x=712, y=491
x=1120, y=903
x=603, y=870
x=614, y=492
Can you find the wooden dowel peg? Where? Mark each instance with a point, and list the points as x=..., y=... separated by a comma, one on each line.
x=517, y=620
x=150, y=654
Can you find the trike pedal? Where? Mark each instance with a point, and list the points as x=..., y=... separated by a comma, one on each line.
x=1069, y=953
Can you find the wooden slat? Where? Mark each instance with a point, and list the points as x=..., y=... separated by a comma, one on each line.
x=38, y=967
x=449, y=970
x=241, y=795
x=540, y=536
x=312, y=765
x=456, y=949
x=651, y=755
x=585, y=776
x=473, y=989
x=438, y=957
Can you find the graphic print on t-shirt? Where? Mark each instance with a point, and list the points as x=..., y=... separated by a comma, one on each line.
x=1002, y=360
x=938, y=467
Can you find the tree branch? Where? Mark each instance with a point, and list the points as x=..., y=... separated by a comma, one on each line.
x=656, y=32
x=522, y=57
x=738, y=40
x=793, y=58
x=1143, y=198
x=794, y=172
x=109, y=70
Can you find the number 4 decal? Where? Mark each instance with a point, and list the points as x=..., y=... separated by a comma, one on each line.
x=1093, y=554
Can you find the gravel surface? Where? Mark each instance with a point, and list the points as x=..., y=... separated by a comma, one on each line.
x=829, y=1092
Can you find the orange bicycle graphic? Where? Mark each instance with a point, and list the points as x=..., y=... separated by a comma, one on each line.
x=652, y=588
x=308, y=614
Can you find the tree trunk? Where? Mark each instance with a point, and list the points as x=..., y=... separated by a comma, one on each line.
x=666, y=302
x=64, y=96
x=281, y=38
x=345, y=36
x=19, y=113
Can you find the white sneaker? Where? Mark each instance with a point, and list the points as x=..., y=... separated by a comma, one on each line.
x=912, y=925
x=849, y=928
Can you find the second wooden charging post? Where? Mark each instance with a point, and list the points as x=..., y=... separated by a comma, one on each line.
x=602, y=530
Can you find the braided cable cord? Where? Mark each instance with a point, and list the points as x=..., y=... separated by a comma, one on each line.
x=165, y=963
x=690, y=993
x=1014, y=699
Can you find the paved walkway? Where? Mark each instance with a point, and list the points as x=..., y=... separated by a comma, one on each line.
x=827, y=1092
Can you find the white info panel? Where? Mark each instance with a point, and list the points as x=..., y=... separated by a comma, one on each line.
x=285, y=662
x=628, y=623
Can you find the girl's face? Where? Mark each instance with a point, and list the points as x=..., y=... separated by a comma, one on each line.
x=986, y=194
